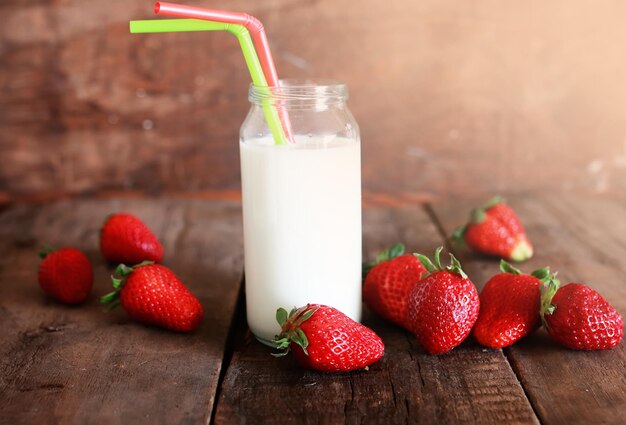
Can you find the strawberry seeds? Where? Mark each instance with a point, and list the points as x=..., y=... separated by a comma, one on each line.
x=439, y=304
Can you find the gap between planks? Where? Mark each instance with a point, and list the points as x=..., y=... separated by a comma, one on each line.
x=449, y=245
x=583, y=239
x=77, y=357
x=237, y=322
x=469, y=384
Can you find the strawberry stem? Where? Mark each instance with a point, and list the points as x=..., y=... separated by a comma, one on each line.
x=113, y=298
x=508, y=268
x=428, y=265
x=290, y=331
x=396, y=251
x=438, y=257
x=454, y=267
x=123, y=270
x=458, y=236
x=110, y=297
x=550, y=284
x=45, y=251
x=117, y=283
x=479, y=214
x=542, y=273
x=493, y=202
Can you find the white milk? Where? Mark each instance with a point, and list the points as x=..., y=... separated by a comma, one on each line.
x=302, y=227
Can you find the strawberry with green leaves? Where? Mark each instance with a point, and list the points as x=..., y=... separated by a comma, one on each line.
x=495, y=229
x=509, y=306
x=577, y=317
x=65, y=275
x=124, y=238
x=323, y=338
x=153, y=295
x=443, y=307
x=390, y=279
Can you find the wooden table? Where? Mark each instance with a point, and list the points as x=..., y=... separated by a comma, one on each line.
x=80, y=365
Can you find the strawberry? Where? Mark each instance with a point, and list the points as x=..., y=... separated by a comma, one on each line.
x=577, y=317
x=443, y=306
x=325, y=339
x=66, y=275
x=388, y=283
x=152, y=294
x=509, y=306
x=495, y=229
x=126, y=239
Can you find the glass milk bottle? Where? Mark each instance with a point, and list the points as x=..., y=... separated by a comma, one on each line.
x=301, y=204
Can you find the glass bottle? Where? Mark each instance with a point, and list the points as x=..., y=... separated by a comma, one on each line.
x=301, y=204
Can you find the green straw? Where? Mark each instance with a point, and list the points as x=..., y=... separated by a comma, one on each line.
x=247, y=47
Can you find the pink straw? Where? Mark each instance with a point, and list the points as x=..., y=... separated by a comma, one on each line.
x=250, y=22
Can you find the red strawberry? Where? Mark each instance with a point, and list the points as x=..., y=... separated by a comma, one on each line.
x=495, y=229
x=509, y=306
x=66, y=275
x=389, y=282
x=325, y=339
x=577, y=317
x=443, y=307
x=126, y=239
x=152, y=294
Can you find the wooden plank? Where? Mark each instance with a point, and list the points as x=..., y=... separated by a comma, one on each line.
x=468, y=385
x=85, y=106
x=584, y=240
x=82, y=365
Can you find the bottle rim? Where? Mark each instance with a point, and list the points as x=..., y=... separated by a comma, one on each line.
x=301, y=91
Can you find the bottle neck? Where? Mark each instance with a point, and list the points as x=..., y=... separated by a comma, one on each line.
x=300, y=94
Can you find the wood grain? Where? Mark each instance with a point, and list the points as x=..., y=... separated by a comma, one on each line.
x=468, y=385
x=583, y=239
x=452, y=98
x=81, y=365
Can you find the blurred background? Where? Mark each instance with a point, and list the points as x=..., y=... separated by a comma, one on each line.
x=454, y=98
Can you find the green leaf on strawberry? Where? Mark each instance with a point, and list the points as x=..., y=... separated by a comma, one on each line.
x=112, y=299
x=578, y=317
x=549, y=288
x=281, y=316
x=454, y=267
x=495, y=229
x=291, y=332
x=152, y=294
x=311, y=333
x=508, y=268
x=387, y=285
x=542, y=274
x=435, y=312
x=509, y=303
x=45, y=251
x=386, y=255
